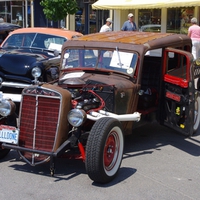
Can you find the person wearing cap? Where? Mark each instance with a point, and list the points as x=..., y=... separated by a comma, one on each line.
x=194, y=34
x=129, y=25
x=107, y=26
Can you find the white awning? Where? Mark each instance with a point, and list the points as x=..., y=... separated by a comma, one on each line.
x=10, y=0
x=144, y=4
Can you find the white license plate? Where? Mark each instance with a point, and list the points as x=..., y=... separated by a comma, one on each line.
x=9, y=134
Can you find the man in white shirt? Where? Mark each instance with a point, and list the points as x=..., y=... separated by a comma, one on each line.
x=107, y=26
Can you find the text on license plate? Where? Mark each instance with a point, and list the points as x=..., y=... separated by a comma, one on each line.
x=9, y=134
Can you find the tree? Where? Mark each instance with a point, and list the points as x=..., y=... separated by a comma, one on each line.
x=57, y=10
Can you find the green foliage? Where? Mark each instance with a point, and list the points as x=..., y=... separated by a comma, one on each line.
x=57, y=10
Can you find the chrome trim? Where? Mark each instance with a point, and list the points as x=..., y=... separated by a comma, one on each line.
x=13, y=97
x=125, y=117
x=13, y=84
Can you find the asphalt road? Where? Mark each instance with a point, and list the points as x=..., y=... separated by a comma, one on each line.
x=158, y=164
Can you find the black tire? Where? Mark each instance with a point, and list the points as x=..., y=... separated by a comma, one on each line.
x=11, y=121
x=196, y=114
x=104, y=150
x=3, y=152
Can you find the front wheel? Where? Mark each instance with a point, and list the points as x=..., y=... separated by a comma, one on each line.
x=196, y=114
x=104, y=150
x=11, y=121
x=3, y=152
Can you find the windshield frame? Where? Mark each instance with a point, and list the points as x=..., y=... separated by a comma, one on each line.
x=123, y=61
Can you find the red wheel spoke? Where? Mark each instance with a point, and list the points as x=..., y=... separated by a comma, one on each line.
x=109, y=150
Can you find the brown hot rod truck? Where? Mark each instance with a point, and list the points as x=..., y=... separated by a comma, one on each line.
x=109, y=84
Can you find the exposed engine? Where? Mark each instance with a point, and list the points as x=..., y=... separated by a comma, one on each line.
x=86, y=100
x=91, y=95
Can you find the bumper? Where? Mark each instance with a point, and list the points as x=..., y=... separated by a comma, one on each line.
x=13, y=97
x=14, y=84
x=59, y=151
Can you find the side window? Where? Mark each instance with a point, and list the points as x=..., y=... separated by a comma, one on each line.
x=50, y=42
x=176, y=65
x=54, y=40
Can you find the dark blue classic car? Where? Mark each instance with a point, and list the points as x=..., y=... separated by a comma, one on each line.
x=28, y=54
x=6, y=28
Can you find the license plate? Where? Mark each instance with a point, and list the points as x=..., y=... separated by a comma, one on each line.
x=9, y=134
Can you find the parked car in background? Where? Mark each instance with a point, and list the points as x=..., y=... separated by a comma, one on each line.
x=151, y=28
x=107, y=87
x=157, y=28
x=30, y=54
x=6, y=28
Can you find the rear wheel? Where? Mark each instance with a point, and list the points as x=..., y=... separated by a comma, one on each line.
x=104, y=150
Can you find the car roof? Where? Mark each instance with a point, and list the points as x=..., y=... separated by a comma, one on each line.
x=131, y=40
x=46, y=30
x=4, y=26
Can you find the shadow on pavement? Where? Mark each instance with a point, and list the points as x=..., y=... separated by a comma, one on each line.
x=144, y=140
x=153, y=136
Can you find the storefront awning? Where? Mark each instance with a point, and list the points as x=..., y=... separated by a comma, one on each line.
x=144, y=4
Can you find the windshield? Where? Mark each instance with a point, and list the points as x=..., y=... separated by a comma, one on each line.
x=121, y=61
x=35, y=40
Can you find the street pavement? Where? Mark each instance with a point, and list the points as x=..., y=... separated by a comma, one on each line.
x=158, y=164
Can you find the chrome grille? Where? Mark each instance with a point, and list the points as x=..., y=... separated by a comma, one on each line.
x=39, y=118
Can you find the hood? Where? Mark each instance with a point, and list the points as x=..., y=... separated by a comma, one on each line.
x=20, y=62
x=81, y=79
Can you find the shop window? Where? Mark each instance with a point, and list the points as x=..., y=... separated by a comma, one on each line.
x=85, y=14
x=178, y=19
x=149, y=20
x=79, y=21
x=5, y=12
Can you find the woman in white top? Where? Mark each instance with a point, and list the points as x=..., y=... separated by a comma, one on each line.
x=194, y=34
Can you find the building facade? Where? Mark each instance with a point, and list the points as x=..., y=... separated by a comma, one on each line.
x=171, y=20
x=153, y=15
x=23, y=13
x=29, y=13
x=92, y=15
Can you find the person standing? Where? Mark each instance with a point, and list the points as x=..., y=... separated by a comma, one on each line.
x=194, y=34
x=107, y=26
x=129, y=25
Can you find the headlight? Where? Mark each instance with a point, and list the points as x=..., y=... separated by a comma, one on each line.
x=36, y=72
x=197, y=61
x=76, y=117
x=7, y=107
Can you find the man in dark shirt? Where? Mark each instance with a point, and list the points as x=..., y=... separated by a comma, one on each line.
x=129, y=25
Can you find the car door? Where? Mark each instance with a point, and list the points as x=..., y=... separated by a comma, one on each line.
x=178, y=93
